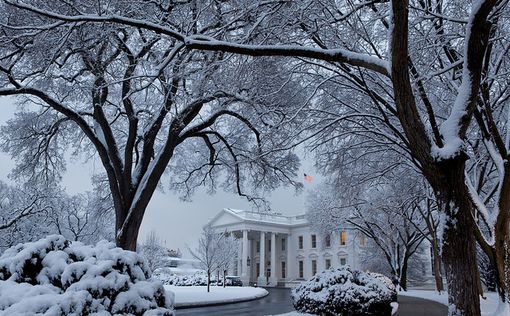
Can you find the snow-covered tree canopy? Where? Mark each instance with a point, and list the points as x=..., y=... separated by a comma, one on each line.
x=145, y=104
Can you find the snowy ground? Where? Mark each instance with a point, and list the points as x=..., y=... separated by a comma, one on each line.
x=489, y=305
x=197, y=295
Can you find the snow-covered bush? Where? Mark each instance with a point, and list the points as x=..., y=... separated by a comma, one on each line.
x=54, y=277
x=387, y=281
x=196, y=279
x=342, y=291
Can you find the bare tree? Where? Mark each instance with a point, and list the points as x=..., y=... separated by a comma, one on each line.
x=153, y=250
x=227, y=252
x=383, y=213
x=209, y=251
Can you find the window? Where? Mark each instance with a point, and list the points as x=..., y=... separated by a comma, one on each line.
x=327, y=241
x=314, y=241
x=283, y=244
x=362, y=240
x=284, y=270
x=314, y=267
x=269, y=245
x=300, y=242
x=343, y=238
x=258, y=269
x=328, y=263
x=301, y=269
x=343, y=261
x=257, y=247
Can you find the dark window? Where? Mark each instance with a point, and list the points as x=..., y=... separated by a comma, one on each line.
x=314, y=267
x=283, y=244
x=343, y=261
x=314, y=241
x=300, y=242
x=328, y=263
x=284, y=270
x=327, y=241
x=258, y=246
x=301, y=269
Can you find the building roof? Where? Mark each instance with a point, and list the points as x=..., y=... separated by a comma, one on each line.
x=269, y=218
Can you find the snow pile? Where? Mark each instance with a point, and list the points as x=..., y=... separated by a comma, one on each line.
x=192, y=296
x=342, y=291
x=54, y=276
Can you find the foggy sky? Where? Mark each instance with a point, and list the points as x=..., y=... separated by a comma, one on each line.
x=176, y=222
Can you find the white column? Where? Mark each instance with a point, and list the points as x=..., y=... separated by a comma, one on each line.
x=262, y=253
x=274, y=277
x=245, y=276
x=239, y=254
x=291, y=258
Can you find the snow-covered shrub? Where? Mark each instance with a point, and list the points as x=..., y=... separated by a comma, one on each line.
x=54, y=277
x=387, y=281
x=342, y=291
x=196, y=279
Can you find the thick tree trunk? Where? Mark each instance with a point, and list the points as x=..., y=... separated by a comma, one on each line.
x=459, y=243
x=128, y=237
x=502, y=266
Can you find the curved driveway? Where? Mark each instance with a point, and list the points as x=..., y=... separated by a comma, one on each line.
x=278, y=302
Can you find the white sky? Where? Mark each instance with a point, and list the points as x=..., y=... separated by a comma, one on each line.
x=177, y=223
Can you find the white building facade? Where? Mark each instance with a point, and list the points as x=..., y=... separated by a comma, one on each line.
x=277, y=250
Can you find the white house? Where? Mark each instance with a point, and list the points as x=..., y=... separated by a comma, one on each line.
x=283, y=250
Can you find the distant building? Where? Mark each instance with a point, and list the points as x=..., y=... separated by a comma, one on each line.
x=278, y=250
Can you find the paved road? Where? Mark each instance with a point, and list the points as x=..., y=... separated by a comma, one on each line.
x=278, y=302
x=412, y=306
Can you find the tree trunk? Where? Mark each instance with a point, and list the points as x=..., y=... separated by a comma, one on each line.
x=437, y=266
x=127, y=239
x=459, y=244
x=403, y=274
x=208, y=280
x=224, y=278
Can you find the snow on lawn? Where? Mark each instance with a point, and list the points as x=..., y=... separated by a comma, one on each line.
x=198, y=295
x=489, y=305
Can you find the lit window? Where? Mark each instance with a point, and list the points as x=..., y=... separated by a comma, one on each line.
x=314, y=267
x=343, y=238
x=301, y=269
x=300, y=242
x=314, y=241
x=328, y=263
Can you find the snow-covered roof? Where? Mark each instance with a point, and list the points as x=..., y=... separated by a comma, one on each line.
x=271, y=218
